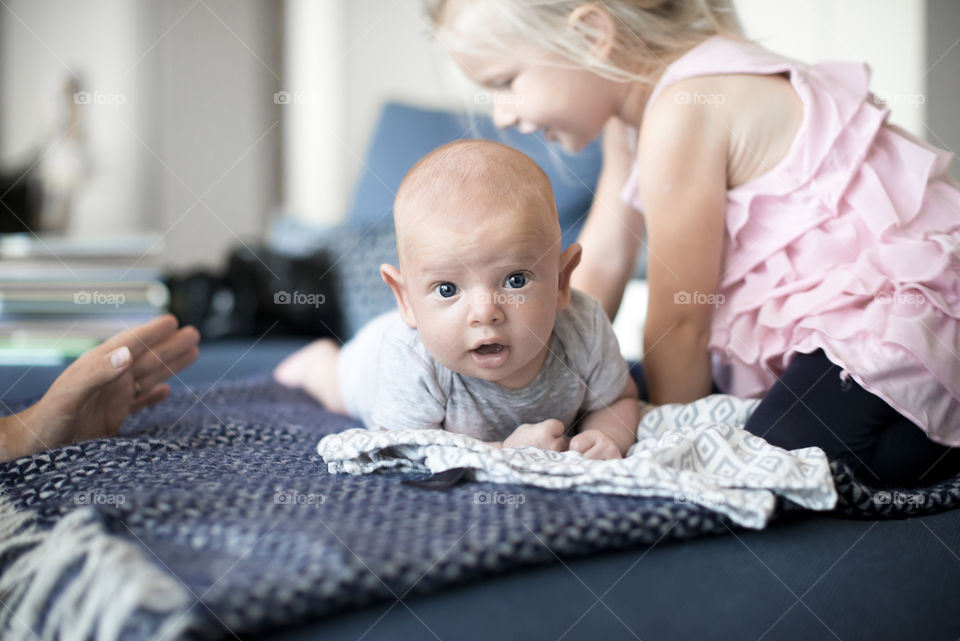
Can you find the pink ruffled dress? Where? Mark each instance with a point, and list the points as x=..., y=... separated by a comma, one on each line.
x=850, y=244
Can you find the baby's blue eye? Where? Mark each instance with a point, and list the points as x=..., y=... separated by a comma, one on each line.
x=445, y=290
x=516, y=280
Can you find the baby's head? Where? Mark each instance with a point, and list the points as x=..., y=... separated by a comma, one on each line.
x=481, y=272
x=564, y=66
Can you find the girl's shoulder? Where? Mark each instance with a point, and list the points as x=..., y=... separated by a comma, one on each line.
x=756, y=116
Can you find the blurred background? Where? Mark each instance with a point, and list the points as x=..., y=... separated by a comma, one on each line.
x=156, y=141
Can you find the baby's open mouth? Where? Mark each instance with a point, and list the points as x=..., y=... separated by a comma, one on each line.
x=489, y=348
x=490, y=355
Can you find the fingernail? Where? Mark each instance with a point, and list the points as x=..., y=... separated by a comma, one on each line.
x=120, y=357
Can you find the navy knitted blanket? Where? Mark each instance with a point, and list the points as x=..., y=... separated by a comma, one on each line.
x=212, y=515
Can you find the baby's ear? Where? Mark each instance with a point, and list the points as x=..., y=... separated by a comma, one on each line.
x=569, y=260
x=392, y=277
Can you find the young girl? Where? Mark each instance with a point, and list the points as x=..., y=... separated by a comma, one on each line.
x=802, y=249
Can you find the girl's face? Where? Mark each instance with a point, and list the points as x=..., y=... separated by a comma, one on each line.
x=540, y=92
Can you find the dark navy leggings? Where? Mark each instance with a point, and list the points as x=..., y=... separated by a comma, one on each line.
x=811, y=405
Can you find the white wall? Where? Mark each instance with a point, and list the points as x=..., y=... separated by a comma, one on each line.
x=390, y=55
x=197, y=116
x=887, y=34
x=217, y=129
x=314, y=183
x=942, y=78
x=384, y=53
x=41, y=43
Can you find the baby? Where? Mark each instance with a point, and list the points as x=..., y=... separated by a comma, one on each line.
x=489, y=339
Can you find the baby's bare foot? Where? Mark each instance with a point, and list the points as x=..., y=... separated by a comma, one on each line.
x=97, y=392
x=314, y=368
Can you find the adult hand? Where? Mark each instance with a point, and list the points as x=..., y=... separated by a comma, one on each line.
x=97, y=392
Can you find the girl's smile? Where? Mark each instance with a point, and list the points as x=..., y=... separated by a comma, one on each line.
x=569, y=105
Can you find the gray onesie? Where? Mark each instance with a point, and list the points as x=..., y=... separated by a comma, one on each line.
x=389, y=381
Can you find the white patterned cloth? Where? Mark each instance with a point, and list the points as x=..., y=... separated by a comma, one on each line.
x=697, y=453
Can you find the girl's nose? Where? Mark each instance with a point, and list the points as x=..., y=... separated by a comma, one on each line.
x=526, y=127
x=484, y=310
x=503, y=115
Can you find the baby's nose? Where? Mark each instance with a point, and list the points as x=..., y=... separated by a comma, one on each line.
x=484, y=310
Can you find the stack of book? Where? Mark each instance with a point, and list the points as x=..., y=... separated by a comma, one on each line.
x=61, y=295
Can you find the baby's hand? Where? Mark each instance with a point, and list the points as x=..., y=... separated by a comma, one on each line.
x=596, y=445
x=547, y=435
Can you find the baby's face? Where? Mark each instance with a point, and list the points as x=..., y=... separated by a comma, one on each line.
x=483, y=291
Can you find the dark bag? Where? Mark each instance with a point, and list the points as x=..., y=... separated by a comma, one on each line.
x=262, y=293
x=20, y=197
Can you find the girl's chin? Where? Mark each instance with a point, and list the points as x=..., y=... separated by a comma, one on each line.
x=568, y=142
x=571, y=145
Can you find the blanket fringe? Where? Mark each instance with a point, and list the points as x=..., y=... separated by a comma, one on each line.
x=77, y=582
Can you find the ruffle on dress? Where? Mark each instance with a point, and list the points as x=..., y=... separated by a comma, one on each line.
x=851, y=244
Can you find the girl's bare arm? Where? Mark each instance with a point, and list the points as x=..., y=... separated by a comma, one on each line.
x=611, y=234
x=682, y=160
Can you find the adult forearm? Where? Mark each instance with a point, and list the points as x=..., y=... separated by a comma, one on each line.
x=6, y=440
x=676, y=364
x=16, y=437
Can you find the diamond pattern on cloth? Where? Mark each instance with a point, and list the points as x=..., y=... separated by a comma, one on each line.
x=682, y=452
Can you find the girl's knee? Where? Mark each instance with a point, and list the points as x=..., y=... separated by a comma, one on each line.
x=775, y=424
x=906, y=457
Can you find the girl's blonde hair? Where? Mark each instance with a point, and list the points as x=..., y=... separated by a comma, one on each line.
x=649, y=33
